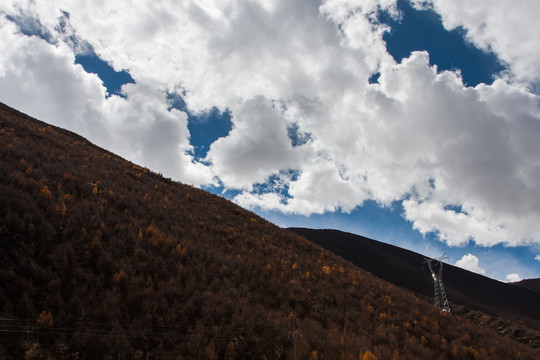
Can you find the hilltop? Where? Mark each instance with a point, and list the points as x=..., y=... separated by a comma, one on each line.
x=531, y=284
x=104, y=259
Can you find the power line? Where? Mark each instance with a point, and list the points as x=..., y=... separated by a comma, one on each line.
x=131, y=331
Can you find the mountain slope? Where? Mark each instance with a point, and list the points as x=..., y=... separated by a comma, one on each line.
x=531, y=284
x=103, y=259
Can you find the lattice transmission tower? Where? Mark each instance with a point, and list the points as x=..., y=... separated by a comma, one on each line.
x=440, y=300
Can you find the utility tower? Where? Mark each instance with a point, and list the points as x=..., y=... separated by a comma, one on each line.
x=440, y=300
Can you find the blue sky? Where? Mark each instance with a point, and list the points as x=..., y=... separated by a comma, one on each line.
x=413, y=123
x=112, y=80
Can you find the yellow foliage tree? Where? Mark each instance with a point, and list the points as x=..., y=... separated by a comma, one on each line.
x=210, y=351
x=61, y=207
x=230, y=354
x=120, y=276
x=326, y=269
x=368, y=355
x=45, y=319
x=45, y=191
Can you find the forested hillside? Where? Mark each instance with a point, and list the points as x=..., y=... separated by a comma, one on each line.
x=103, y=259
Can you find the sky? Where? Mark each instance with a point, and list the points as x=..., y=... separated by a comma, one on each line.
x=411, y=122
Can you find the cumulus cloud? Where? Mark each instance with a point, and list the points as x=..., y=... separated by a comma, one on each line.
x=42, y=80
x=513, y=277
x=537, y=258
x=470, y=262
x=462, y=160
x=257, y=146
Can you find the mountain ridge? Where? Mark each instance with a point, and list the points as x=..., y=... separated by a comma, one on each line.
x=531, y=284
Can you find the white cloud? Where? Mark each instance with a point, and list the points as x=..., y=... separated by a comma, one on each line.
x=419, y=136
x=513, y=277
x=537, y=258
x=256, y=147
x=470, y=262
x=42, y=80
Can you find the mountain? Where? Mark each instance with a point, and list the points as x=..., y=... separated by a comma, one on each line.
x=103, y=259
x=404, y=268
x=531, y=284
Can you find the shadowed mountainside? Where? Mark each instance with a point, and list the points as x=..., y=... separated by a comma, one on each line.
x=103, y=259
x=531, y=284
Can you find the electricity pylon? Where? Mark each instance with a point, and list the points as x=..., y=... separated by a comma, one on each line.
x=440, y=300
